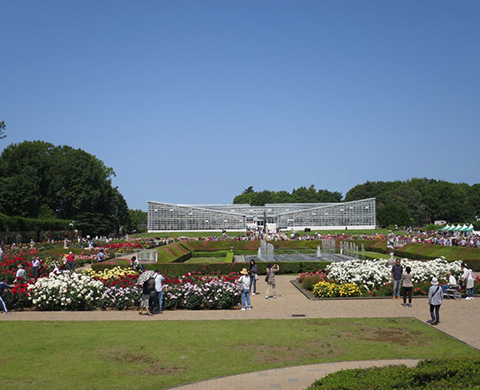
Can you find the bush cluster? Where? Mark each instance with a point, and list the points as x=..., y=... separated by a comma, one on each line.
x=178, y=269
x=332, y=290
x=445, y=373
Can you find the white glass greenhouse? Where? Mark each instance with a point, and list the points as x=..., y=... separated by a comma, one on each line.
x=359, y=214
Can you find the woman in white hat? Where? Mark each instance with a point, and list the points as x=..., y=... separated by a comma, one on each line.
x=244, y=284
x=435, y=296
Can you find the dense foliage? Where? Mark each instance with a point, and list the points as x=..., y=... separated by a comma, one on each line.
x=299, y=195
x=40, y=180
x=415, y=202
x=420, y=201
x=445, y=373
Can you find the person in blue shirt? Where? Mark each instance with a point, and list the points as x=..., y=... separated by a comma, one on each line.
x=101, y=255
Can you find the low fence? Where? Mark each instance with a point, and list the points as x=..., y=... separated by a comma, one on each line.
x=143, y=255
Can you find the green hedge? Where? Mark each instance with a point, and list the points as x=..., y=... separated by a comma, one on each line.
x=179, y=269
x=210, y=254
x=109, y=264
x=445, y=373
x=229, y=257
x=9, y=224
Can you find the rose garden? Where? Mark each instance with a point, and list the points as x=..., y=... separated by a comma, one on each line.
x=113, y=284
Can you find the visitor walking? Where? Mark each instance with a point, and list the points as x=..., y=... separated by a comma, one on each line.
x=145, y=300
x=435, y=297
x=468, y=280
x=71, y=262
x=36, y=267
x=159, y=290
x=3, y=286
x=244, y=284
x=253, y=277
x=407, y=287
x=397, y=272
x=270, y=279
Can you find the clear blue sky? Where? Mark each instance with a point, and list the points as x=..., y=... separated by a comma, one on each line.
x=194, y=101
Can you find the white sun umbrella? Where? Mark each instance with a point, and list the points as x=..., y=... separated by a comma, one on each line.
x=144, y=276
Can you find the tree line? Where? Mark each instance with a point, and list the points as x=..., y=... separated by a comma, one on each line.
x=299, y=195
x=414, y=202
x=42, y=181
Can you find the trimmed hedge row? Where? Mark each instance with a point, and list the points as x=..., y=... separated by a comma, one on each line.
x=445, y=373
x=14, y=224
x=414, y=251
x=179, y=269
x=210, y=254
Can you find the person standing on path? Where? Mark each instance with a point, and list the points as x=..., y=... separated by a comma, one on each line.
x=159, y=289
x=3, y=286
x=397, y=271
x=468, y=280
x=145, y=300
x=435, y=297
x=407, y=287
x=244, y=285
x=253, y=277
x=270, y=279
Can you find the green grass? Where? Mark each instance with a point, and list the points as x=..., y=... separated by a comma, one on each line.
x=161, y=354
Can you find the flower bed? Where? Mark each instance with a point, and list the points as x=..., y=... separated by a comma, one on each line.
x=116, y=288
x=373, y=277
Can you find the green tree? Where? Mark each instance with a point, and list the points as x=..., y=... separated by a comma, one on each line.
x=42, y=179
x=393, y=214
x=137, y=217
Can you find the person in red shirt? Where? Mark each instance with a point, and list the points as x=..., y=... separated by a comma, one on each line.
x=71, y=262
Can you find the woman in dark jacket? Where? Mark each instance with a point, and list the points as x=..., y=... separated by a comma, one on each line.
x=253, y=277
x=145, y=300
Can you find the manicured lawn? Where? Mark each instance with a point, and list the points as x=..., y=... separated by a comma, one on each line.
x=161, y=354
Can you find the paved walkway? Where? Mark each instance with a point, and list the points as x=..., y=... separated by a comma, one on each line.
x=459, y=319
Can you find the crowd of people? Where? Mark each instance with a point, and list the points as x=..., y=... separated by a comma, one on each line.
x=402, y=281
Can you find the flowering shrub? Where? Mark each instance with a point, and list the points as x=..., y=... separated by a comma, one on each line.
x=330, y=290
x=220, y=294
x=120, y=298
x=65, y=291
x=209, y=293
x=325, y=290
x=309, y=279
x=112, y=273
x=374, y=273
x=350, y=290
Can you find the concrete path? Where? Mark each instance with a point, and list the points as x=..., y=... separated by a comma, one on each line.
x=459, y=319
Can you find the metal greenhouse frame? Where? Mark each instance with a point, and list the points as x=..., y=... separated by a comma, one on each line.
x=164, y=217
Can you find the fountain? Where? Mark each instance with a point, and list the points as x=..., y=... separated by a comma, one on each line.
x=327, y=251
x=266, y=252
